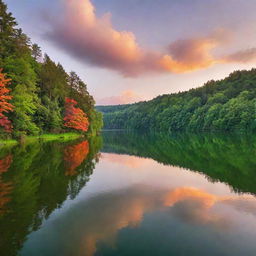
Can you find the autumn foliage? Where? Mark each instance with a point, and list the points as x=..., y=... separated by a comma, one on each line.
x=75, y=117
x=74, y=156
x=5, y=106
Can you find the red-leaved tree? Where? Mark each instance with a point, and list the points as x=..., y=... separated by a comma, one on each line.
x=5, y=106
x=75, y=117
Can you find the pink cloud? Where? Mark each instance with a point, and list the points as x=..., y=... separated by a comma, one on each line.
x=94, y=40
x=242, y=56
x=124, y=98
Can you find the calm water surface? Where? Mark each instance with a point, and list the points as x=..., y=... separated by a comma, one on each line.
x=130, y=194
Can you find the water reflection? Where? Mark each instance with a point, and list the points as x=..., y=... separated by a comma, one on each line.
x=114, y=222
x=143, y=195
x=74, y=156
x=5, y=187
x=36, y=179
x=222, y=157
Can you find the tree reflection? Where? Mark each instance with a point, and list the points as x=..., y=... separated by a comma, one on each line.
x=36, y=185
x=221, y=157
x=74, y=156
x=5, y=187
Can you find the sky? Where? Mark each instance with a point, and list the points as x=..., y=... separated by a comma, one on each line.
x=133, y=50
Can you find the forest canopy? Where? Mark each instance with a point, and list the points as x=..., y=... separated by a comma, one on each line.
x=224, y=105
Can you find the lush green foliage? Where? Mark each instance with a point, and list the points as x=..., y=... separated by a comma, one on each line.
x=228, y=104
x=38, y=85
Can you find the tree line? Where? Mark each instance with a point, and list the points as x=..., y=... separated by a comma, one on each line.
x=224, y=105
x=36, y=94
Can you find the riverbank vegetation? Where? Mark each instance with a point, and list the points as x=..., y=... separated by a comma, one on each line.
x=37, y=95
x=226, y=105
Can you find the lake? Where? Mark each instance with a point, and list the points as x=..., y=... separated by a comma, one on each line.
x=127, y=193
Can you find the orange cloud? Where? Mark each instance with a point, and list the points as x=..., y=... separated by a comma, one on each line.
x=189, y=55
x=195, y=53
x=94, y=40
x=125, y=98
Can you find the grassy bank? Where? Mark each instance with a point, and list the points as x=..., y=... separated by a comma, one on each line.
x=44, y=137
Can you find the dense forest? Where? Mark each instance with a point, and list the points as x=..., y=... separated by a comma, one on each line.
x=226, y=105
x=36, y=94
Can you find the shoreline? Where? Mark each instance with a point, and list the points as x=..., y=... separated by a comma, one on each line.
x=45, y=137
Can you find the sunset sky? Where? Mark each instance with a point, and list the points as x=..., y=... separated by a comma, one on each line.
x=134, y=50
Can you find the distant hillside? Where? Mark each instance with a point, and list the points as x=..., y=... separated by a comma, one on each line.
x=228, y=104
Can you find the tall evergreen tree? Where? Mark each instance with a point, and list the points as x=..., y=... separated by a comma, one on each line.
x=7, y=32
